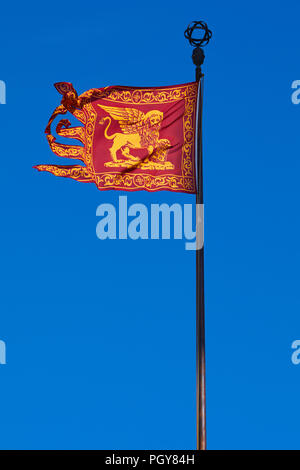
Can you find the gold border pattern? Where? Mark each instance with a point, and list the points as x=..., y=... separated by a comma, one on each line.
x=149, y=182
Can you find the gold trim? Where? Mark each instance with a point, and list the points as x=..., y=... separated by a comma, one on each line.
x=117, y=180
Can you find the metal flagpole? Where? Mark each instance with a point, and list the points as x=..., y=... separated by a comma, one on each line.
x=198, y=59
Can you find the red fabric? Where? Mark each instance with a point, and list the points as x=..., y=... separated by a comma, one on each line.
x=132, y=138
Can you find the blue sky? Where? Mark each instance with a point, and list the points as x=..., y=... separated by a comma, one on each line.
x=100, y=335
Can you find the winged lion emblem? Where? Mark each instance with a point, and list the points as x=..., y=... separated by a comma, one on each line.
x=139, y=131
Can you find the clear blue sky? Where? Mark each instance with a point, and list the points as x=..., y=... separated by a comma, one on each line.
x=101, y=335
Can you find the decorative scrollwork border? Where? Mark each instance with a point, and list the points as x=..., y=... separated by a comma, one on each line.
x=115, y=180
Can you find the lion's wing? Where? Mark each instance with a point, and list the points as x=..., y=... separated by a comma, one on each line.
x=131, y=120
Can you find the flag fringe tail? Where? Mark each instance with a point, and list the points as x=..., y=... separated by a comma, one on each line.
x=75, y=172
x=63, y=130
x=70, y=103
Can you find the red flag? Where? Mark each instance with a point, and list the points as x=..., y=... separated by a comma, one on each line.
x=132, y=138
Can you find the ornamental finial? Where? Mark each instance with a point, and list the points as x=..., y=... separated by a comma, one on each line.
x=198, y=42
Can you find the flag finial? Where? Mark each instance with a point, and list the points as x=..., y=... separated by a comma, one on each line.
x=198, y=42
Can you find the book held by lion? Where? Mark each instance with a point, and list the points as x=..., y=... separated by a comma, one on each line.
x=131, y=138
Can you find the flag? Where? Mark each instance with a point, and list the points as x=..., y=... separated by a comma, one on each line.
x=130, y=138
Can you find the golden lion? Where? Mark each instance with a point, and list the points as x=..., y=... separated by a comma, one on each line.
x=139, y=130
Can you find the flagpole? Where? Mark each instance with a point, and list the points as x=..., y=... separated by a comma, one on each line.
x=198, y=59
